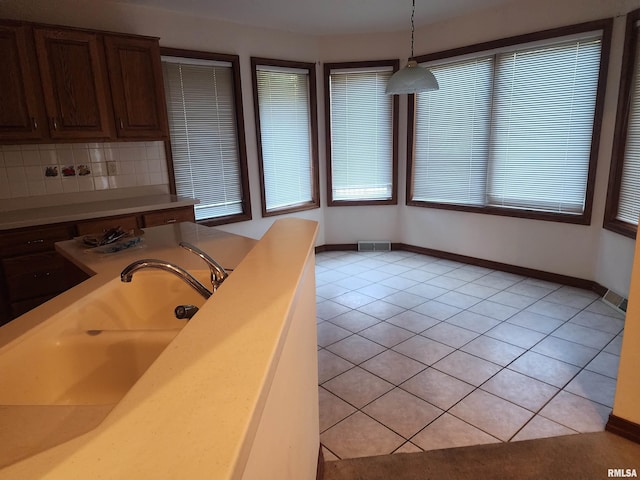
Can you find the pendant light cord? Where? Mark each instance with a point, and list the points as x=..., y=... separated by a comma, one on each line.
x=413, y=12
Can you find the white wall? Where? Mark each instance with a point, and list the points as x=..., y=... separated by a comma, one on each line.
x=583, y=251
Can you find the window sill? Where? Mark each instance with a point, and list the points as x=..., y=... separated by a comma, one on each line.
x=583, y=219
x=621, y=228
x=214, y=222
x=361, y=203
x=290, y=209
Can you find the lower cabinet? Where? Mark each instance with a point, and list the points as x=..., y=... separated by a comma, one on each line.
x=32, y=272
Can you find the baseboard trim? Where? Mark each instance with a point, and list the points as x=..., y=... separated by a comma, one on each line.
x=337, y=247
x=480, y=262
x=623, y=428
x=320, y=468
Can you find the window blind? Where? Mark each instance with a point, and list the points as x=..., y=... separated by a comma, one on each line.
x=542, y=123
x=452, y=134
x=510, y=128
x=285, y=131
x=204, y=138
x=629, y=201
x=361, y=135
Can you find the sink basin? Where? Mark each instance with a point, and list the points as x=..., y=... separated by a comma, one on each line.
x=79, y=368
x=147, y=302
x=92, y=352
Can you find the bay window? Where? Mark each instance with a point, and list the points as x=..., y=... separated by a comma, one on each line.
x=362, y=130
x=514, y=127
x=286, y=125
x=623, y=197
x=208, y=152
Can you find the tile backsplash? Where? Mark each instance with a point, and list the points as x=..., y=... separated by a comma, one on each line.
x=48, y=169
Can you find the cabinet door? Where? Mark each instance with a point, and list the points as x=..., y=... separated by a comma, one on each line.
x=36, y=275
x=21, y=112
x=135, y=75
x=74, y=84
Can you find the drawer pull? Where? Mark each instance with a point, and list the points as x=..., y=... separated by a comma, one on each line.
x=54, y=122
x=34, y=122
x=171, y=220
x=121, y=124
x=34, y=242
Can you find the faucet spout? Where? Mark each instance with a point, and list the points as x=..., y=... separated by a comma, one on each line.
x=127, y=273
x=218, y=273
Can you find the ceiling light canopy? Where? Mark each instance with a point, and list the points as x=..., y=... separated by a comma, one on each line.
x=413, y=78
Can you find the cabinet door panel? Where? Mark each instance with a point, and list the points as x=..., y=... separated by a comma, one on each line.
x=21, y=113
x=73, y=77
x=34, y=275
x=135, y=75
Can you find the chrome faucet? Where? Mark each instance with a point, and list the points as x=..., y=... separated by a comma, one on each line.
x=218, y=273
x=127, y=273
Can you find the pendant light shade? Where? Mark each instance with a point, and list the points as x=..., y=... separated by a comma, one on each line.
x=412, y=78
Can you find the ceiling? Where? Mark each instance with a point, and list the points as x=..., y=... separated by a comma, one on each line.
x=325, y=17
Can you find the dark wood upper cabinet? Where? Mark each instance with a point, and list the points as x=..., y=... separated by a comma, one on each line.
x=74, y=84
x=67, y=84
x=21, y=112
x=135, y=75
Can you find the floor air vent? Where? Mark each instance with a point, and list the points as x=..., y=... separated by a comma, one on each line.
x=374, y=246
x=616, y=301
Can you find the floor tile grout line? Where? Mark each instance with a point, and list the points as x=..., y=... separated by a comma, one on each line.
x=581, y=368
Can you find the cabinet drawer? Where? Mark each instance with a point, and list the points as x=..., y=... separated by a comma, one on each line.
x=36, y=275
x=164, y=217
x=32, y=240
x=104, y=224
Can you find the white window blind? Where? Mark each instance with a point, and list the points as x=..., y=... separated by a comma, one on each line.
x=510, y=129
x=542, y=123
x=629, y=201
x=204, y=137
x=361, y=135
x=285, y=131
x=452, y=134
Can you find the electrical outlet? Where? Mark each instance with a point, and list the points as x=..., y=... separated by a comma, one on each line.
x=112, y=168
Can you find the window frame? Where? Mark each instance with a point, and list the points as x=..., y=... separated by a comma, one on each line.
x=610, y=222
x=313, y=140
x=583, y=219
x=234, y=60
x=395, y=65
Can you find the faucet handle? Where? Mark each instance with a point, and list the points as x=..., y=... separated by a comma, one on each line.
x=218, y=273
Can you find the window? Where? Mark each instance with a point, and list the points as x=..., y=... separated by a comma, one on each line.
x=286, y=125
x=623, y=196
x=208, y=150
x=362, y=132
x=514, y=128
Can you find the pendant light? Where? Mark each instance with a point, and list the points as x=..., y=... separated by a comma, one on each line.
x=412, y=78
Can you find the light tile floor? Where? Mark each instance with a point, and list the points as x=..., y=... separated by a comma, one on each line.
x=419, y=353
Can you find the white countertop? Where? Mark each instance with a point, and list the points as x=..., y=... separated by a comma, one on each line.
x=83, y=211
